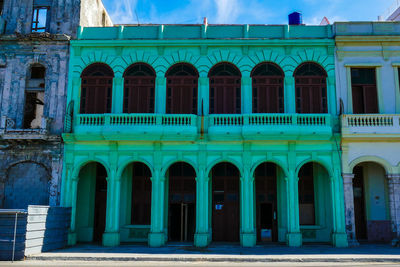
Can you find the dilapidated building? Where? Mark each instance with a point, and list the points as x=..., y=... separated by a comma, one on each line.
x=34, y=55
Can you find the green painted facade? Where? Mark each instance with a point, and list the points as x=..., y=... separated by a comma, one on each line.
x=245, y=140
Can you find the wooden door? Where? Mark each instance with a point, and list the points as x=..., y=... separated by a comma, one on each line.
x=182, y=95
x=225, y=95
x=225, y=203
x=359, y=204
x=311, y=95
x=266, y=201
x=139, y=94
x=268, y=94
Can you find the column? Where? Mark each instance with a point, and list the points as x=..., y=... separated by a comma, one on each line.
x=248, y=235
x=331, y=94
x=117, y=95
x=111, y=235
x=246, y=94
x=394, y=205
x=203, y=95
x=201, y=237
x=157, y=235
x=290, y=94
x=160, y=94
x=293, y=236
x=339, y=236
x=73, y=190
x=349, y=209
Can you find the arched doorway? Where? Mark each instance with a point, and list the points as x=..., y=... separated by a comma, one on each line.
x=225, y=203
x=225, y=89
x=139, y=84
x=181, y=202
x=135, y=215
x=91, y=203
x=27, y=183
x=268, y=95
x=267, y=215
x=315, y=203
x=311, y=93
x=371, y=203
x=182, y=83
x=96, y=89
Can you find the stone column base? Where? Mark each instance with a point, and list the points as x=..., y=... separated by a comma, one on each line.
x=294, y=239
x=156, y=239
x=353, y=242
x=72, y=238
x=339, y=240
x=248, y=239
x=201, y=240
x=111, y=239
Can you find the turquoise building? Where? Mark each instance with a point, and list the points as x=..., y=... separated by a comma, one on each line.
x=203, y=133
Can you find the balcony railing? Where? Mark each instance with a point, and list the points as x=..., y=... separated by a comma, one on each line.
x=189, y=127
x=370, y=124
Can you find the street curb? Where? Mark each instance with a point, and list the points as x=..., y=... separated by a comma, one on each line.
x=209, y=259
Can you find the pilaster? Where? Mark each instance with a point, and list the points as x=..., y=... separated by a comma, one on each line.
x=157, y=236
x=246, y=95
x=293, y=236
x=111, y=234
x=339, y=237
x=160, y=94
x=73, y=184
x=202, y=210
x=290, y=94
x=394, y=205
x=248, y=235
x=118, y=95
x=349, y=208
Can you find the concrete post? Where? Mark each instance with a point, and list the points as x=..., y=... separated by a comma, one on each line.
x=157, y=236
x=394, y=204
x=160, y=94
x=246, y=94
x=248, y=236
x=202, y=206
x=339, y=237
x=349, y=208
x=293, y=236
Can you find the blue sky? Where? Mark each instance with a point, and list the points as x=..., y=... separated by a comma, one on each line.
x=242, y=11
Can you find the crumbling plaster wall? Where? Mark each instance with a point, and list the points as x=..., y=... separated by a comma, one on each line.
x=19, y=57
x=65, y=15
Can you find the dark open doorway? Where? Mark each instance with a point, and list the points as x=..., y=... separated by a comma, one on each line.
x=225, y=203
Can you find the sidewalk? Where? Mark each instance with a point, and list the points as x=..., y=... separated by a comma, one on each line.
x=225, y=253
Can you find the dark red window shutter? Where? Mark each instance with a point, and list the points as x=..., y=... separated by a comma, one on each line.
x=311, y=91
x=371, y=99
x=141, y=195
x=306, y=195
x=364, y=90
x=96, y=89
x=182, y=83
x=225, y=89
x=267, y=79
x=139, y=83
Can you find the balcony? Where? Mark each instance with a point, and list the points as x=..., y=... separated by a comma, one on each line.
x=187, y=127
x=371, y=126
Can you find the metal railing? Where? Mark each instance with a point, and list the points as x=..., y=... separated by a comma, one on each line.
x=16, y=212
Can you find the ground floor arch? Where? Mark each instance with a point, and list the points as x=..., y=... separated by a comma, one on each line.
x=90, y=218
x=371, y=203
x=181, y=200
x=316, y=203
x=225, y=204
x=135, y=203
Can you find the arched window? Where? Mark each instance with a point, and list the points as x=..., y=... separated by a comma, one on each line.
x=225, y=93
x=267, y=80
x=311, y=95
x=96, y=93
x=182, y=82
x=34, y=97
x=139, y=83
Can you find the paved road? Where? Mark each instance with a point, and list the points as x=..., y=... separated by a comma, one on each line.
x=30, y=263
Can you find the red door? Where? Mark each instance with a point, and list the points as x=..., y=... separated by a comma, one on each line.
x=268, y=94
x=182, y=95
x=225, y=95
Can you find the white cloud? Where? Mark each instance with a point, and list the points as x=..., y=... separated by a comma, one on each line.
x=124, y=12
x=227, y=11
